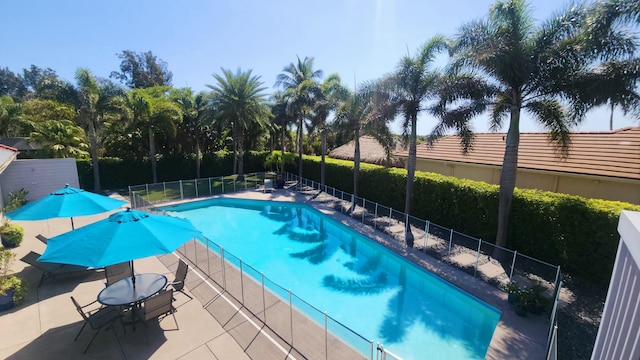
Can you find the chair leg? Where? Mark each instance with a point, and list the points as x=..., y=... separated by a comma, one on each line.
x=173, y=313
x=187, y=295
x=82, y=328
x=89, y=344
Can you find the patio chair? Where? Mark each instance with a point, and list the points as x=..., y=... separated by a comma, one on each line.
x=51, y=269
x=97, y=319
x=181, y=275
x=117, y=272
x=42, y=238
x=158, y=306
x=268, y=186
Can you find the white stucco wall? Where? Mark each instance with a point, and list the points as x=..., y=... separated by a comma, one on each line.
x=38, y=176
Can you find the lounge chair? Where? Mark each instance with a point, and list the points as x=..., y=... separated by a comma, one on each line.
x=51, y=269
x=97, y=319
x=268, y=186
x=181, y=275
x=42, y=238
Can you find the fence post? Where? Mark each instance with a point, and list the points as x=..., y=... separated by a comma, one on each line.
x=222, y=180
x=477, y=258
x=195, y=182
x=181, y=191
x=147, y=187
x=291, y=316
x=513, y=264
x=450, y=241
x=375, y=217
x=131, y=197
x=224, y=275
x=164, y=189
x=264, y=304
x=209, y=186
x=326, y=337
x=241, y=280
x=426, y=235
x=364, y=209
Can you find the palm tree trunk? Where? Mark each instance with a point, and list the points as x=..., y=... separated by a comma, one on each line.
x=356, y=166
x=508, y=176
x=234, y=137
x=611, y=117
x=240, y=157
x=93, y=142
x=282, y=140
x=300, y=150
x=197, y=133
x=152, y=155
x=411, y=170
x=323, y=150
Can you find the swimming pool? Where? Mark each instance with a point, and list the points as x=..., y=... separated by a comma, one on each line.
x=355, y=280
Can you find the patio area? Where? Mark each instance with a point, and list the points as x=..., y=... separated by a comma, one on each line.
x=44, y=326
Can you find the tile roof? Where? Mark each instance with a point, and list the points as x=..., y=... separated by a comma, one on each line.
x=607, y=153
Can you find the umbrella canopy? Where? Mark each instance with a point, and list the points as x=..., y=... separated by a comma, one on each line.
x=123, y=236
x=66, y=202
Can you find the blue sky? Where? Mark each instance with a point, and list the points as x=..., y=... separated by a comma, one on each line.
x=358, y=39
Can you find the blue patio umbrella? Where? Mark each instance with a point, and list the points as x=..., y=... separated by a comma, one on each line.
x=66, y=202
x=123, y=236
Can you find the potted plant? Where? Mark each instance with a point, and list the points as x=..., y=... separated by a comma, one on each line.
x=513, y=291
x=537, y=301
x=12, y=234
x=275, y=159
x=12, y=288
x=522, y=303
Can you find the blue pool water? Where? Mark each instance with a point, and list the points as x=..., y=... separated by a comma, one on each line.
x=370, y=289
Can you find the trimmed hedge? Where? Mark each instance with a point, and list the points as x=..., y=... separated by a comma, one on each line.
x=118, y=173
x=576, y=233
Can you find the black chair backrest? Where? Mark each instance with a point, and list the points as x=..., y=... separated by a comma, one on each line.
x=181, y=275
x=117, y=272
x=158, y=304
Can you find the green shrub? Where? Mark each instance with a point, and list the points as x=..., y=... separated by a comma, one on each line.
x=576, y=233
x=12, y=234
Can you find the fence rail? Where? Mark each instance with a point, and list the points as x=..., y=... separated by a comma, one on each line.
x=481, y=259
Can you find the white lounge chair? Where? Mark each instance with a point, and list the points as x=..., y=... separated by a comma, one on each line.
x=268, y=185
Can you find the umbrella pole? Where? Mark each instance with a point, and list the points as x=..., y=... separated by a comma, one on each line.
x=72, y=227
x=133, y=275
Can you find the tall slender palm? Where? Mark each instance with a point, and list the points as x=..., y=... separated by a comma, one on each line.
x=153, y=111
x=360, y=113
x=194, y=117
x=299, y=82
x=504, y=64
x=331, y=93
x=239, y=101
x=282, y=119
x=409, y=87
x=97, y=103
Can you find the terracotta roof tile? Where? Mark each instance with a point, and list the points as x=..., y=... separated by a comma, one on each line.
x=608, y=153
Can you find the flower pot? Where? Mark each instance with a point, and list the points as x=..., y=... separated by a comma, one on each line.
x=6, y=300
x=520, y=310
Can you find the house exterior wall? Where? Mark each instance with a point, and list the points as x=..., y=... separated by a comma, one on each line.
x=580, y=185
x=619, y=331
x=38, y=176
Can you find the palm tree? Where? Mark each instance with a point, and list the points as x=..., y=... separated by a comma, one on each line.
x=408, y=88
x=97, y=103
x=331, y=93
x=505, y=64
x=238, y=100
x=282, y=118
x=360, y=113
x=299, y=82
x=154, y=112
x=194, y=116
x=10, y=116
x=63, y=137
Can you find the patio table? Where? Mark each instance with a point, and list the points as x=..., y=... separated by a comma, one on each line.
x=122, y=292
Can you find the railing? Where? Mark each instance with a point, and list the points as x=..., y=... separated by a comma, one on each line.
x=276, y=307
x=493, y=264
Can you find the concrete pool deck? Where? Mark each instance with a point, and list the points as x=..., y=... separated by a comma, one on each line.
x=44, y=326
